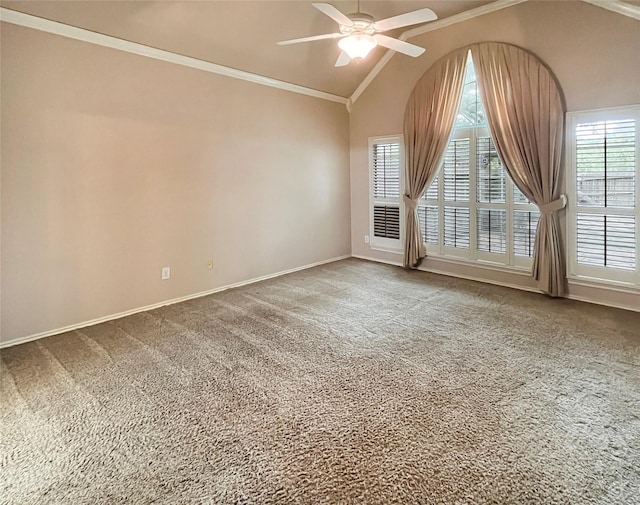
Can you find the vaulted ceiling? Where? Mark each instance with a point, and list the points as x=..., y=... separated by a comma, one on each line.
x=241, y=34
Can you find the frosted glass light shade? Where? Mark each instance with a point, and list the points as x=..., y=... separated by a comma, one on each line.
x=357, y=46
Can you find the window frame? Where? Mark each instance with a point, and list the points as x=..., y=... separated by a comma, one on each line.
x=382, y=243
x=590, y=274
x=503, y=261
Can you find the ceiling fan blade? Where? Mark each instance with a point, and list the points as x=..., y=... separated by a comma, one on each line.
x=410, y=18
x=343, y=59
x=333, y=13
x=399, y=45
x=312, y=38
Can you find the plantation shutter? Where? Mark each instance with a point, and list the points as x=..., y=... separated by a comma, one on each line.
x=491, y=182
x=491, y=188
x=456, y=227
x=455, y=172
x=386, y=221
x=605, y=193
x=385, y=160
x=428, y=219
x=472, y=210
x=386, y=170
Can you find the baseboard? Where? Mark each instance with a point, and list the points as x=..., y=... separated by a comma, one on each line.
x=172, y=301
x=586, y=299
x=377, y=260
x=164, y=303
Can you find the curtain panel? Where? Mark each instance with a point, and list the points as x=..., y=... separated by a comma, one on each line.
x=525, y=114
x=428, y=120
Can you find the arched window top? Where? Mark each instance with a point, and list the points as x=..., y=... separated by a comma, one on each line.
x=471, y=111
x=524, y=112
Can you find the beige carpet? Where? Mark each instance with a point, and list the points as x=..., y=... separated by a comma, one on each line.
x=348, y=383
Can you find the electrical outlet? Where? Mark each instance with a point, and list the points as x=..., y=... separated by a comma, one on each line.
x=210, y=265
x=166, y=273
x=366, y=239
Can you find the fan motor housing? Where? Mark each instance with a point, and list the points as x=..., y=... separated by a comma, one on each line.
x=362, y=23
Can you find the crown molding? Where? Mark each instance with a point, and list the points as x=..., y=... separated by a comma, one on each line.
x=617, y=6
x=429, y=27
x=64, y=30
x=463, y=16
x=72, y=32
x=632, y=11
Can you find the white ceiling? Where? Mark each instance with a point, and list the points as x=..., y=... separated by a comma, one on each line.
x=240, y=34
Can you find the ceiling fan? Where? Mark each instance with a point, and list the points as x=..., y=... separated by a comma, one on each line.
x=360, y=33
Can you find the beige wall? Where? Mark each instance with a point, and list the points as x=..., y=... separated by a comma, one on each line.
x=115, y=165
x=593, y=52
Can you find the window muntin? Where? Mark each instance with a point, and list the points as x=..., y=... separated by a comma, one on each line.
x=472, y=210
x=456, y=227
x=605, y=158
x=471, y=110
x=602, y=180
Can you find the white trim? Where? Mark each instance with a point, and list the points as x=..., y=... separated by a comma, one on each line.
x=372, y=75
x=587, y=275
x=111, y=317
x=463, y=16
x=54, y=27
x=429, y=27
x=378, y=243
x=377, y=260
x=473, y=254
x=599, y=284
x=613, y=5
x=119, y=315
x=390, y=250
x=72, y=32
x=617, y=6
x=586, y=299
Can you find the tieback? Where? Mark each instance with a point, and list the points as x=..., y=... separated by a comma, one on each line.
x=410, y=202
x=551, y=207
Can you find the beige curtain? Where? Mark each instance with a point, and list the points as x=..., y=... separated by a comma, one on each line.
x=428, y=120
x=525, y=114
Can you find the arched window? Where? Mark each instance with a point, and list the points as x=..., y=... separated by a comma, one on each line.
x=472, y=210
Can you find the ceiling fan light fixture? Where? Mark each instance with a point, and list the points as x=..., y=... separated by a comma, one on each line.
x=357, y=46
